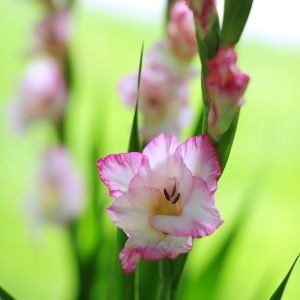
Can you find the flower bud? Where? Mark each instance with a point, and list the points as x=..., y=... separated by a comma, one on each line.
x=181, y=31
x=205, y=13
x=226, y=85
x=42, y=93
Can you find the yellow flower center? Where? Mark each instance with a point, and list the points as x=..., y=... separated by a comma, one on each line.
x=170, y=202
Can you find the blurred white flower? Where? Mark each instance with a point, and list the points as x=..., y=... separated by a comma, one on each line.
x=41, y=95
x=59, y=192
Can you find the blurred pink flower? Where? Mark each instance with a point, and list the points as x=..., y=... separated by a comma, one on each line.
x=59, y=194
x=163, y=101
x=52, y=33
x=42, y=93
x=160, y=57
x=181, y=31
x=205, y=13
x=226, y=85
x=164, y=196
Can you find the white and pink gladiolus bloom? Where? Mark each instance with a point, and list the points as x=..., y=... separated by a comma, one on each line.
x=163, y=101
x=164, y=196
x=226, y=85
x=205, y=13
x=59, y=195
x=52, y=33
x=181, y=31
x=42, y=93
x=161, y=58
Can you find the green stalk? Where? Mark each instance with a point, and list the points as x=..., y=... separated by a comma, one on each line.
x=128, y=284
x=165, y=275
x=170, y=272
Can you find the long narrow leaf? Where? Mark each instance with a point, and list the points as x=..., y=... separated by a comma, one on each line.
x=127, y=286
x=279, y=292
x=134, y=143
x=4, y=295
x=236, y=13
x=223, y=146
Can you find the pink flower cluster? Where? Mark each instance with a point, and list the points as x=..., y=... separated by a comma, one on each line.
x=226, y=85
x=42, y=91
x=164, y=196
x=164, y=97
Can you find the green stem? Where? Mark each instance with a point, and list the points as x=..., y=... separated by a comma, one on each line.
x=165, y=275
x=126, y=288
x=170, y=272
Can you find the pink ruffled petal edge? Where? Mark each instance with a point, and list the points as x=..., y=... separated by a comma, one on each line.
x=117, y=170
x=160, y=148
x=136, y=248
x=201, y=158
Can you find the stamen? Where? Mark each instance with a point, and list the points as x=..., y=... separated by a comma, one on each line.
x=174, y=190
x=167, y=195
x=176, y=199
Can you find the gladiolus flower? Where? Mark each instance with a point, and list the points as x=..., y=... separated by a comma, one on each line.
x=226, y=85
x=42, y=93
x=163, y=101
x=59, y=193
x=163, y=196
x=181, y=31
x=205, y=13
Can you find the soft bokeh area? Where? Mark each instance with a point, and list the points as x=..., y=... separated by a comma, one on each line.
x=258, y=195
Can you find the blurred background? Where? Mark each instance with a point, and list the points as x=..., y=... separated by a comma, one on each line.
x=259, y=192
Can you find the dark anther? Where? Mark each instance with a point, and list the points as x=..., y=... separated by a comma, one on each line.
x=174, y=190
x=176, y=199
x=167, y=195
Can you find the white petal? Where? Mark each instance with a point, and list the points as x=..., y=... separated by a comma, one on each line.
x=200, y=157
x=160, y=149
x=117, y=170
x=132, y=210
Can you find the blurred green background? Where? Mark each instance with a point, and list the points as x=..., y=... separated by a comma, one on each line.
x=261, y=178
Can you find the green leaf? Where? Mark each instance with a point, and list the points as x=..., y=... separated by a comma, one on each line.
x=148, y=279
x=207, y=49
x=127, y=288
x=4, y=295
x=279, y=292
x=223, y=146
x=212, y=40
x=198, y=126
x=236, y=13
x=169, y=4
x=170, y=274
x=134, y=143
x=202, y=50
